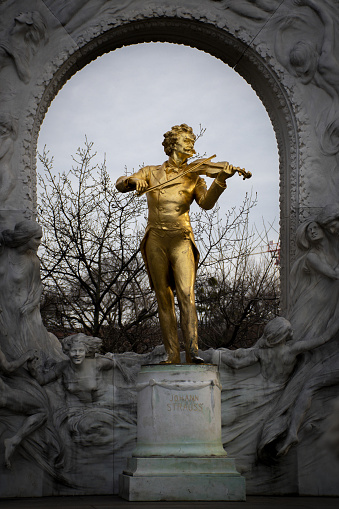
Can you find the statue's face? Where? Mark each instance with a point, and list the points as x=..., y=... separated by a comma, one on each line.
x=4, y=131
x=279, y=337
x=185, y=144
x=303, y=58
x=77, y=353
x=21, y=22
x=333, y=226
x=314, y=232
x=34, y=242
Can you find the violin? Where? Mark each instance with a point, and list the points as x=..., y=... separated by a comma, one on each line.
x=212, y=171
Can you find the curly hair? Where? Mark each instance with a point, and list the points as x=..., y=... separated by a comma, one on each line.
x=170, y=138
x=91, y=344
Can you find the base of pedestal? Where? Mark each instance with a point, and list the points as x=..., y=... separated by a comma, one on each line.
x=155, y=479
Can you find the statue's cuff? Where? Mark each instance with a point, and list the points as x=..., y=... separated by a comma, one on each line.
x=126, y=183
x=221, y=184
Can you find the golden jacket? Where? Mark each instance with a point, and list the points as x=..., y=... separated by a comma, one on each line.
x=168, y=205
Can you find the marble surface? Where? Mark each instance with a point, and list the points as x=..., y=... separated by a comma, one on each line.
x=179, y=454
x=276, y=410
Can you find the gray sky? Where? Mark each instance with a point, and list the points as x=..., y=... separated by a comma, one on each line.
x=127, y=99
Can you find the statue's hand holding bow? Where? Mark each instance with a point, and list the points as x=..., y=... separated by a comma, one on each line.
x=140, y=184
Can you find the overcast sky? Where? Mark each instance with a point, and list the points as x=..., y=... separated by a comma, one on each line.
x=126, y=100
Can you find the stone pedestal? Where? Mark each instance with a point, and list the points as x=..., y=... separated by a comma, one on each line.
x=179, y=453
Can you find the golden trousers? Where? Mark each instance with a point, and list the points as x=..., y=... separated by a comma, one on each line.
x=172, y=264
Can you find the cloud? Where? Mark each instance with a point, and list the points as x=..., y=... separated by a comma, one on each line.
x=125, y=100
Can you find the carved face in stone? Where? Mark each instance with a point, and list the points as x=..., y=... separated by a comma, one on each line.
x=303, y=59
x=333, y=226
x=314, y=232
x=77, y=353
x=34, y=242
x=21, y=23
x=277, y=331
x=4, y=132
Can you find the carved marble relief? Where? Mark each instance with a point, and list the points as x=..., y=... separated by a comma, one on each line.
x=8, y=135
x=76, y=414
x=274, y=388
x=264, y=406
x=257, y=10
x=313, y=60
x=21, y=327
x=21, y=41
x=72, y=414
x=22, y=34
x=314, y=281
x=19, y=401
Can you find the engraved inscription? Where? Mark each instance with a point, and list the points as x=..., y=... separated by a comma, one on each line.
x=182, y=403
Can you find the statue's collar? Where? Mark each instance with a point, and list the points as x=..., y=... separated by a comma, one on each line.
x=172, y=166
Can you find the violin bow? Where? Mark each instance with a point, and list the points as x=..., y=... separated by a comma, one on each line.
x=189, y=170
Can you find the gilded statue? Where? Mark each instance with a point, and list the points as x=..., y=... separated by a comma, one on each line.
x=168, y=247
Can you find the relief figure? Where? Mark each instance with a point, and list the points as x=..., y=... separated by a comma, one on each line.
x=258, y=10
x=21, y=41
x=81, y=375
x=21, y=290
x=8, y=135
x=258, y=380
x=314, y=315
x=88, y=415
x=313, y=61
x=305, y=59
x=314, y=278
x=73, y=15
x=22, y=402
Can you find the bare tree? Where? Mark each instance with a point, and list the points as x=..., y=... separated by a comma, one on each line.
x=238, y=282
x=92, y=269
x=94, y=276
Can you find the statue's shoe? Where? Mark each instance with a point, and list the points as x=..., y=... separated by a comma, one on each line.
x=195, y=359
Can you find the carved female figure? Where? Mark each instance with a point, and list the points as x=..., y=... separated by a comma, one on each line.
x=81, y=375
x=19, y=401
x=8, y=134
x=314, y=315
x=275, y=351
x=21, y=292
x=21, y=41
x=258, y=381
x=88, y=417
x=314, y=282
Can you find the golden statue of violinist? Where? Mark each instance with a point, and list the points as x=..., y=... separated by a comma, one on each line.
x=168, y=247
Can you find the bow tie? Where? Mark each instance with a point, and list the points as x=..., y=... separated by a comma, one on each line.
x=173, y=168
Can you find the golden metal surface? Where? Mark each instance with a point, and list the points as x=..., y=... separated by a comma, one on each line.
x=168, y=247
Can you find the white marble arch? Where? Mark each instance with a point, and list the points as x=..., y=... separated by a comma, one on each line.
x=285, y=50
x=242, y=43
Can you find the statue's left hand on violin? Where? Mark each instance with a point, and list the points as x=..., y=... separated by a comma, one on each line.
x=205, y=167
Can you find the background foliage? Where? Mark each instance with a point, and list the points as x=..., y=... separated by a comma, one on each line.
x=94, y=277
